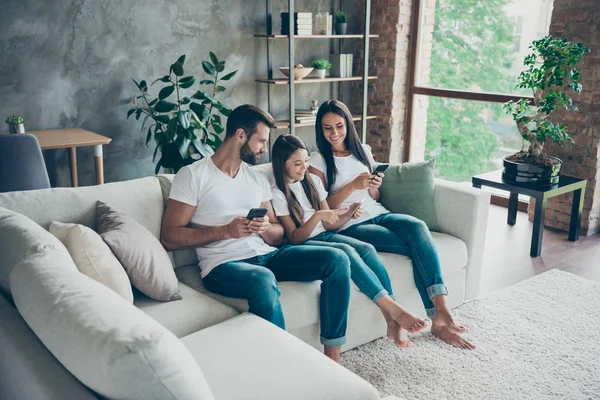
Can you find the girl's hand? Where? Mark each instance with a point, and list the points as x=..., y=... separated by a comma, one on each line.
x=356, y=210
x=328, y=216
x=363, y=181
x=376, y=180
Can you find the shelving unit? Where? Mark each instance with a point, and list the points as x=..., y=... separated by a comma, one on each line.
x=269, y=36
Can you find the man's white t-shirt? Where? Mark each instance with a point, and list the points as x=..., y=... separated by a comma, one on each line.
x=219, y=199
x=348, y=168
x=280, y=204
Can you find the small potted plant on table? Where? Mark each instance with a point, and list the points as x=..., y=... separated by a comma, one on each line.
x=15, y=124
x=321, y=66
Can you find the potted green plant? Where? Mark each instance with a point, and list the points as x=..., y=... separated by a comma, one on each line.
x=341, y=22
x=187, y=127
x=15, y=124
x=321, y=66
x=551, y=75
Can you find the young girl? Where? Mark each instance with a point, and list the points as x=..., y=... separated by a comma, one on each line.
x=345, y=168
x=301, y=205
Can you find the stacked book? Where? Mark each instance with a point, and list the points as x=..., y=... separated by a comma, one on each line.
x=341, y=65
x=302, y=23
x=306, y=116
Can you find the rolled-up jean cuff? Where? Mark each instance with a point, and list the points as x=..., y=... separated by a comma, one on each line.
x=333, y=342
x=430, y=312
x=379, y=295
x=435, y=290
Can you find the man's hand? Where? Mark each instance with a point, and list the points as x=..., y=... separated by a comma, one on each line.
x=239, y=227
x=259, y=225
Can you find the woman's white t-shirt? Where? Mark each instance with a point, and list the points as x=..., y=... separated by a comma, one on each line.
x=348, y=168
x=280, y=204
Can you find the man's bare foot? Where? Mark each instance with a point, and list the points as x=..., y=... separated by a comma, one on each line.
x=334, y=352
x=443, y=317
x=397, y=334
x=452, y=338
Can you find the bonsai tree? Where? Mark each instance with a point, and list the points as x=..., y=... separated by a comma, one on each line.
x=550, y=75
x=186, y=128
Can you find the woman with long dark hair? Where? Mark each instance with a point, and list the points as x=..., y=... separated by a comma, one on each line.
x=300, y=203
x=345, y=167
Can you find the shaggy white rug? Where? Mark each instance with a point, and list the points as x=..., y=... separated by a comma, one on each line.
x=538, y=339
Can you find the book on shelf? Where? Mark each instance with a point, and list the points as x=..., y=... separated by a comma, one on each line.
x=305, y=113
x=341, y=65
x=302, y=24
x=306, y=118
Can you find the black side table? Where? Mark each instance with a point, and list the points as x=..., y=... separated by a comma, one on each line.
x=566, y=184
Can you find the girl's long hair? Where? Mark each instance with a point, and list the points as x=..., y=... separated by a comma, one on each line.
x=352, y=141
x=283, y=148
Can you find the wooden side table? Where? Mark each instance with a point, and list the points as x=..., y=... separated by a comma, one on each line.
x=71, y=139
x=566, y=184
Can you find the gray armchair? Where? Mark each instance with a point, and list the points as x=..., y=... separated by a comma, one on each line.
x=22, y=165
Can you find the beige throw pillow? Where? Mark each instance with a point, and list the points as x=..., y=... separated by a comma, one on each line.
x=93, y=257
x=145, y=260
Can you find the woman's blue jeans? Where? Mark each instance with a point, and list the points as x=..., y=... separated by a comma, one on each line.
x=366, y=269
x=255, y=279
x=408, y=236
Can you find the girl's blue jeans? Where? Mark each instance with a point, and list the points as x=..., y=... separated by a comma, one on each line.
x=366, y=269
x=408, y=236
x=255, y=279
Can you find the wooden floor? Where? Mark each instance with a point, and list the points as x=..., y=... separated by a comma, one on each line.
x=506, y=259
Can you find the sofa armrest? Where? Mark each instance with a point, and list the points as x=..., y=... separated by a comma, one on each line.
x=462, y=211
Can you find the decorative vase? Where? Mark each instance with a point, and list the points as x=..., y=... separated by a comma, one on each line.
x=321, y=73
x=340, y=28
x=535, y=175
x=16, y=128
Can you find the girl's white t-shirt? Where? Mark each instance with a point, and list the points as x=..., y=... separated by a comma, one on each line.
x=348, y=168
x=280, y=204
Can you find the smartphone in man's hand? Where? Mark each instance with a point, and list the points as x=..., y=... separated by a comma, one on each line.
x=256, y=213
x=380, y=168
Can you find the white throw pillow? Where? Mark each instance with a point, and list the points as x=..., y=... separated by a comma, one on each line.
x=93, y=257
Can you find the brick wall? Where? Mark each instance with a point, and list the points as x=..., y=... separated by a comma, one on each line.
x=579, y=20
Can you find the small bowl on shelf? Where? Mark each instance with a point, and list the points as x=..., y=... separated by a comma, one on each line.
x=299, y=73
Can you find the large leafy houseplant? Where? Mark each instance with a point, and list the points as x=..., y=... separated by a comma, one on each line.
x=551, y=75
x=185, y=127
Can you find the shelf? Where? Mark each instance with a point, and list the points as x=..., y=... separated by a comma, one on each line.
x=286, y=81
x=262, y=35
x=286, y=123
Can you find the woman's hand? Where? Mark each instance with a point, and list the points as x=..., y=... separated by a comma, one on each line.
x=363, y=181
x=376, y=180
x=328, y=216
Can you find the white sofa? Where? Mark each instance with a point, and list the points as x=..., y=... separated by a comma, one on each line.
x=241, y=356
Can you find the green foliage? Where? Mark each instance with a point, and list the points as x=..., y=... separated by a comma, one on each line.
x=550, y=75
x=321, y=64
x=186, y=128
x=472, y=47
x=341, y=17
x=15, y=120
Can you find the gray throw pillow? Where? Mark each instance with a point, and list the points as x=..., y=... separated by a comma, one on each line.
x=408, y=189
x=145, y=260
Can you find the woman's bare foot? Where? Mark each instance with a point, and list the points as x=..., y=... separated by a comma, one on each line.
x=402, y=317
x=334, y=352
x=397, y=334
x=445, y=318
x=452, y=338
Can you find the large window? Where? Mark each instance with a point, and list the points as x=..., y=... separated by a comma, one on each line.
x=469, y=56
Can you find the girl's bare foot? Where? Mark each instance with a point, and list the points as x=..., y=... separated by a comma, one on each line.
x=444, y=317
x=402, y=317
x=397, y=334
x=452, y=338
x=334, y=352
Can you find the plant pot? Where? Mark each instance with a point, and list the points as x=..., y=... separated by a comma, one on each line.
x=534, y=175
x=340, y=28
x=16, y=128
x=321, y=73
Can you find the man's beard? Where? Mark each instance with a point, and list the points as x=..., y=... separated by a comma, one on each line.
x=247, y=155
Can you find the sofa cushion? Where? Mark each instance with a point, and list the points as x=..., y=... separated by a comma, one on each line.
x=145, y=260
x=249, y=358
x=107, y=343
x=93, y=257
x=194, y=312
x=409, y=189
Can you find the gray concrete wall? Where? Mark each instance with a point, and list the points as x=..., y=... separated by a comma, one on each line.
x=69, y=63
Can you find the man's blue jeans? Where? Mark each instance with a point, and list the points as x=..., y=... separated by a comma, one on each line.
x=255, y=279
x=408, y=236
x=366, y=269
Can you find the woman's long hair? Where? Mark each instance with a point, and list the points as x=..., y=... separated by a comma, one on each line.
x=283, y=148
x=352, y=141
